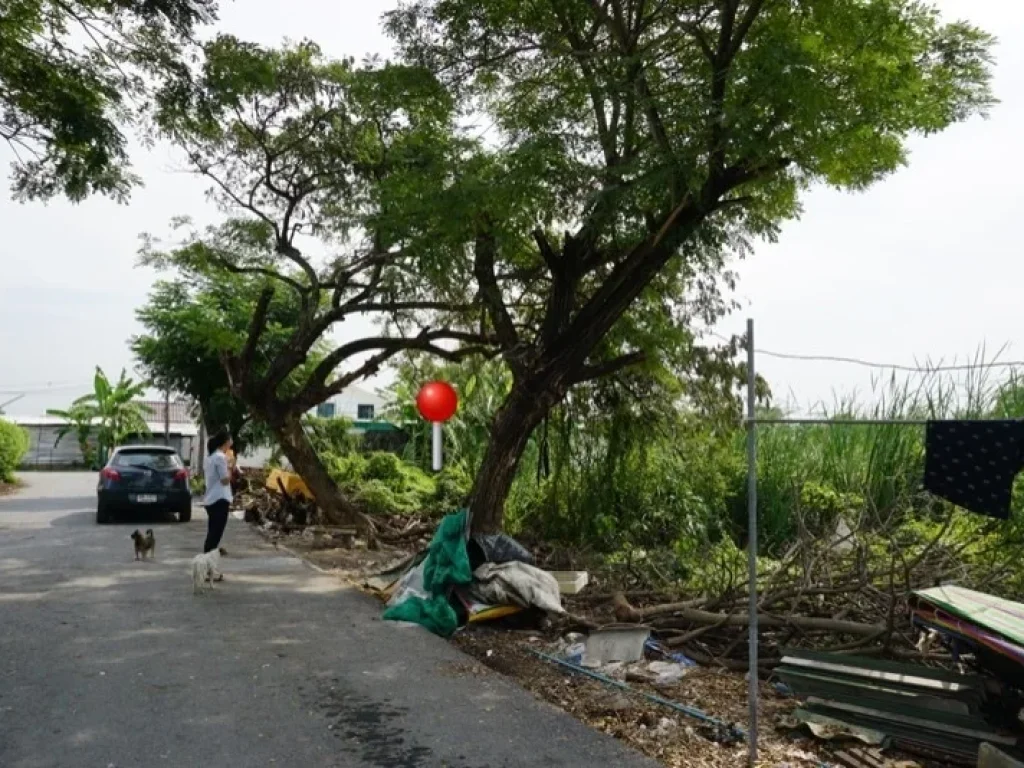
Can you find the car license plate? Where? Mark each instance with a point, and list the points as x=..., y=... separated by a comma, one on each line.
x=144, y=498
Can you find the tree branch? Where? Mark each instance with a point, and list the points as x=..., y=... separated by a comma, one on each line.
x=483, y=269
x=600, y=370
x=256, y=327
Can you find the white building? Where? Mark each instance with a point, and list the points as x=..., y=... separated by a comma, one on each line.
x=354, y=403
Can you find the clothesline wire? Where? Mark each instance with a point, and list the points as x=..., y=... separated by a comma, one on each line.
x=873, y=364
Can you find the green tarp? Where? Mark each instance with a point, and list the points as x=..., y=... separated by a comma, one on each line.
x=446, y=566
x=992, y=613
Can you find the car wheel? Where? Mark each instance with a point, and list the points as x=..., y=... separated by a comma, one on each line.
x=103, y=515
x=185, y=514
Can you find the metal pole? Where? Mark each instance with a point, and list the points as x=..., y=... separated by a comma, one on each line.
x=167, y=417
x=437, y=446
x=752, y=543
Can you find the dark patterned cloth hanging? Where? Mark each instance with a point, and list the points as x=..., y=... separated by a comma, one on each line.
x=973, y=463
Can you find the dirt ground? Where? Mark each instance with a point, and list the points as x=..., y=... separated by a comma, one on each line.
x=665, y=734
x=658, y=731
x=8, y=488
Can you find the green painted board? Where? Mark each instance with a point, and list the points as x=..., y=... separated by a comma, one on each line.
x=986, y=611
x=892, y=696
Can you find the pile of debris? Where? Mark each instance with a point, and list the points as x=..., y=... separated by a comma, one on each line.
x=279, y=502
x=919, y=710
x=849, y=593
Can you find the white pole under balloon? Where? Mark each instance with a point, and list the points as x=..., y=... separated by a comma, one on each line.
x=437, y=403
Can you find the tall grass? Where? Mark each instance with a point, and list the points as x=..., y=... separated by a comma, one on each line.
x=881, y=466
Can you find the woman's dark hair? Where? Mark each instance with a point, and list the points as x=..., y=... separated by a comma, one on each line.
x=219, y=438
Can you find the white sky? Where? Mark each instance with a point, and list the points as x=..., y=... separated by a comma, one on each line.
x=924, y=265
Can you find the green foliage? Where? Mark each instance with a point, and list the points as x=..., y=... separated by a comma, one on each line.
x=72, y=74
x=481, y=384
x=331, y=436
x=189, y=323
x=13, y=447
x=641, y=146
x=383, y=466
x=110, y=412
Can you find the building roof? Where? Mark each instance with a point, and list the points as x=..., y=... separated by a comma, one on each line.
x=157, y=428
x=179, y=411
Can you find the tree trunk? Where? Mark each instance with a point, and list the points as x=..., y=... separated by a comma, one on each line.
x=307, y=464
x=515, y=421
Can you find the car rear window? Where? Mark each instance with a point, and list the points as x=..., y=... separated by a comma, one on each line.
x=147, y=459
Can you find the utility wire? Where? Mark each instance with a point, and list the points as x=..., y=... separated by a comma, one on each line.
x=44, y=390
x=872, y=364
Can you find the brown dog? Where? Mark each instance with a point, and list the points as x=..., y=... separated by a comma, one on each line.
x=144, y=544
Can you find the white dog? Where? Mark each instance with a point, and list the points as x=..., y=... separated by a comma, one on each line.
x=205, y=569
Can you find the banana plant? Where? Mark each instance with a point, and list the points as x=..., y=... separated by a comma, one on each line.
x=111, y=411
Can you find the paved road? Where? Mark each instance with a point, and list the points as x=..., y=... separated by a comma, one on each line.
x=108, y=663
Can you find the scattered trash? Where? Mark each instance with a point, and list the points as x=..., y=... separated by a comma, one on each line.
x=667, y=672
x=656, y=648
x=783, y=690
x=575, y=653
x=723, y=732
x=571, y=582
x=617, y=643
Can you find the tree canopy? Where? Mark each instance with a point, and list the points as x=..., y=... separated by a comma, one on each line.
x=72, y=75
x=319, y=167
x=189, y=323
x=640, y=144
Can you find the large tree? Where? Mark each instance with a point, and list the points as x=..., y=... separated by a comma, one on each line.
x=73, y=74
x=638, y=143
x=188, y=322
x=317, y=165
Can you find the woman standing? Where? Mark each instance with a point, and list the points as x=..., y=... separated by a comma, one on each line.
x=217, y=472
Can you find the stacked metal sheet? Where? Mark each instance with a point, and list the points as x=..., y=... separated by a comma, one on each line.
x=909, y=707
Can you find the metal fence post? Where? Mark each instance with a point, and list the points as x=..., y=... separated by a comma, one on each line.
x=752, y=543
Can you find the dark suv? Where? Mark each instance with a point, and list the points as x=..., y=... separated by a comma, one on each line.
x=141, y=477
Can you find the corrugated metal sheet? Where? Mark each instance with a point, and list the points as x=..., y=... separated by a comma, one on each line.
x=918, y=709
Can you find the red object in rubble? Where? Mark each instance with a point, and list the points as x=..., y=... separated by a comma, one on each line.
x=437, y=401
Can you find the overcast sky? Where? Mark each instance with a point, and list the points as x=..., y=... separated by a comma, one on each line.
x=924, y=265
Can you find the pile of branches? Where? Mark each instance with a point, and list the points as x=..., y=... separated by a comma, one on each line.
x=275, y=509
x=845, y=591
x=278, y=510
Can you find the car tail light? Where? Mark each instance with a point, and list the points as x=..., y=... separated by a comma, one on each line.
x=110, y=474
x=181, y=474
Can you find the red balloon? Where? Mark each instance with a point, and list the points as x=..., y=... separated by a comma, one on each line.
x=437, y=401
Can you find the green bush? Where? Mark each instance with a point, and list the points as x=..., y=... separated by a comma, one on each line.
x=13, y=447
x=331, y=436
x=452, y=487
x=383, y=466
x=380, y=499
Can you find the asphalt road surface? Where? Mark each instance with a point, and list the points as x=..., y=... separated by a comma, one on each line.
x=109, y=663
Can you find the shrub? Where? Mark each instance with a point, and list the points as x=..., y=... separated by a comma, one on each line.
x=452, y=488
x=13, y=447
x=383, y=466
